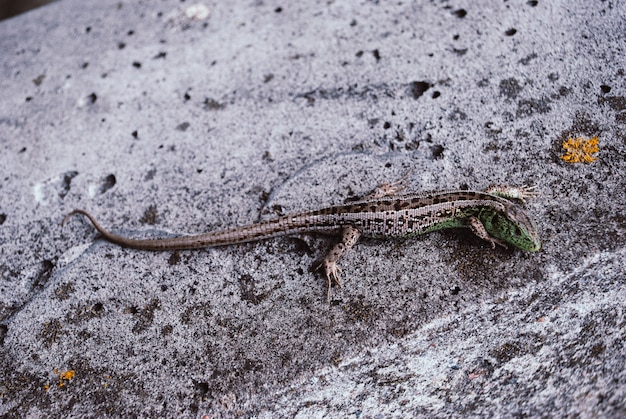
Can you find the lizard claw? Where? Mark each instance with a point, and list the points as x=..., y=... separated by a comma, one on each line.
x=493, y=241
x=331, y=270
x=520, y=193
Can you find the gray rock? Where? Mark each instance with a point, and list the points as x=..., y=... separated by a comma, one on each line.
x=171, y=117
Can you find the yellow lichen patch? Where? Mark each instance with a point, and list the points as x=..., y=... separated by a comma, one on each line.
x=580, y=150
x=65, y=377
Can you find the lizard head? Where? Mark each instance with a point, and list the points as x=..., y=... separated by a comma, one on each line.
x=515, y=227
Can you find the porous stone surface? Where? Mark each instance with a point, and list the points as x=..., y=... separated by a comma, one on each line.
x=170, y=117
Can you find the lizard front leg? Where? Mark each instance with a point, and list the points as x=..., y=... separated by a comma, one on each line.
x=479, y=229
x=513, y=192
x=349, y=237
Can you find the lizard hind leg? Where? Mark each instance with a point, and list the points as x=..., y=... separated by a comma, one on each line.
x=349, y=237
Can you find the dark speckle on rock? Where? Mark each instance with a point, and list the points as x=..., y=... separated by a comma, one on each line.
x=145, y=316
x=526, y=60
x=51, y=332
x=39, y=79
x=510, y=88
x=460, y=13
x=108, y=182
x=150, y=174
x=150, y=215
x=418, y=88
x=183, y=126
x=212, y=104
x=248, y=291
x=460, y=51
x=66, y=182
x=174, y=258
x=528, y=107
x=437, y=151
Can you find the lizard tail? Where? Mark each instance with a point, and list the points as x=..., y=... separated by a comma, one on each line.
x=146, y=244
x=252, y=232
x=122, y=241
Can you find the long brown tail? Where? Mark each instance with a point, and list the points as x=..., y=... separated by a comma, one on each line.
x=252, y=232
x=147, y=244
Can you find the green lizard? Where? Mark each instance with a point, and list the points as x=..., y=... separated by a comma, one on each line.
x=492, y=215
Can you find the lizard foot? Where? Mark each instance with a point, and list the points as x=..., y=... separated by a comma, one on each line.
x=331, y=270
x=513, y=192
x=493, y=241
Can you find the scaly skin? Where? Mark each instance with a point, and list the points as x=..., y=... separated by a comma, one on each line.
x=492, y=215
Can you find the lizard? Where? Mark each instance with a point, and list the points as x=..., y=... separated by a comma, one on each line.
x=494, y=215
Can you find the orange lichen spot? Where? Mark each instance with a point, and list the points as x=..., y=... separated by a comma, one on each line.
x=46, y=387
x=580, y=150
x=68, y=375
x=65, y=377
